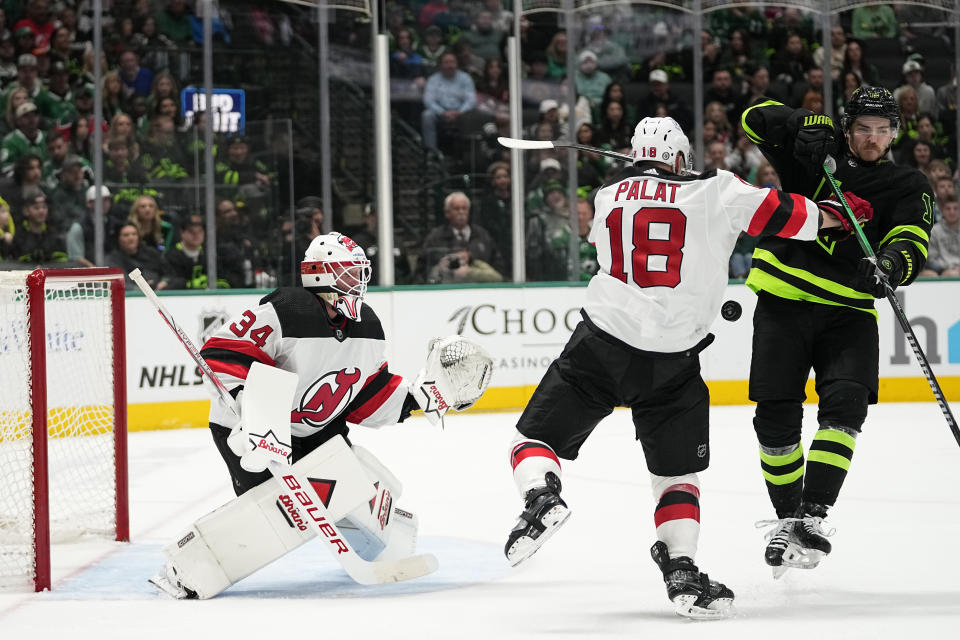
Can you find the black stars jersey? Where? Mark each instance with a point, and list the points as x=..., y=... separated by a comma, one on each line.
x=341, y=364
x=822, y=271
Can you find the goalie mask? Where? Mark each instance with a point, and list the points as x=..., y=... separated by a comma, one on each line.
x=336, y=269
x=660, y=140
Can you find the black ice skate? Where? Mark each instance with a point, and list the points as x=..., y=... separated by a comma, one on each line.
x=694, y=593
x=543, y=514
x=799, y=542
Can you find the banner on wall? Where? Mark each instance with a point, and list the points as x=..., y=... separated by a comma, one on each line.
x=229, y=108
x=524, y=329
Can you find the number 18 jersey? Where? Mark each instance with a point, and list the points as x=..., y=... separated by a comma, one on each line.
x=664, y=243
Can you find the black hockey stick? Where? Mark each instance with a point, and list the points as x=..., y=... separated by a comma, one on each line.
x=516, y=143
x=828, y=167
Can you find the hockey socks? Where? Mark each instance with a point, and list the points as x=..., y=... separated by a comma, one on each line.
x=531, y=461
x=782, y=469
x=677, y=515
x=828, y=462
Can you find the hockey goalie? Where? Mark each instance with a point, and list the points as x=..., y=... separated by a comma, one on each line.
x=314, y=352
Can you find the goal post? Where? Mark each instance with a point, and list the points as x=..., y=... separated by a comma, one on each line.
x=63, y=414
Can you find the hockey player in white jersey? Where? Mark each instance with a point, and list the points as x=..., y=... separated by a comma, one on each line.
x=334, y=342
x=663, y=242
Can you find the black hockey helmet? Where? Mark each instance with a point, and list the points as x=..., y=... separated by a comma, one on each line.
x=871, y=101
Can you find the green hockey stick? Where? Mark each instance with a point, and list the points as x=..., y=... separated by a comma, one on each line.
x=829, y=166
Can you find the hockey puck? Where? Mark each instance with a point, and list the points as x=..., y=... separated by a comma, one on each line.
x=731, y=310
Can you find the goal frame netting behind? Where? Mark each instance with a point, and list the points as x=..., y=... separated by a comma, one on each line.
x=42, y=428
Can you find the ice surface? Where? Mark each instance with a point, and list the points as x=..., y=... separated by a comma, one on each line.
x=893, y=573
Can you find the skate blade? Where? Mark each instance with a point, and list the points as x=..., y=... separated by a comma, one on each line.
x=716, y=610
x=779, y=571
x=175, y=591
x=795, y=558
x=525, y=546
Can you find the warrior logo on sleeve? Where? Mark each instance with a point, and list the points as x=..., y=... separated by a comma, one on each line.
x=326, y=398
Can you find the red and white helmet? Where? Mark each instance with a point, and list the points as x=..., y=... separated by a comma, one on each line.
x=336, y=269
x=660, y=140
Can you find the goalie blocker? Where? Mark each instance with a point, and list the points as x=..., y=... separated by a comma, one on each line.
x=262, y=525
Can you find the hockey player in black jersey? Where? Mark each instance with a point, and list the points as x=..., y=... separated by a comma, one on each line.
x=815, y=306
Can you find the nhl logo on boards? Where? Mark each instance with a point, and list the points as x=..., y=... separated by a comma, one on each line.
x=210, y=321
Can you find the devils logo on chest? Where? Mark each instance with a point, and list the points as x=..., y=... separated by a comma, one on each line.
x=326, y=398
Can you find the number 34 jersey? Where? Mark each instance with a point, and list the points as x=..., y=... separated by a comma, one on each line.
x=341, y=365
x=664, y=243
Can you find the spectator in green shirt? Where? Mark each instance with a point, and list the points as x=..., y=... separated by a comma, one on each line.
x=874, y=21
x=591, y=82
x=26, y=138
x=174, y=21
x=56, y=103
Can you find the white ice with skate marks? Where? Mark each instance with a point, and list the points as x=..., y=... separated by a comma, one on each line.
x=594, y=579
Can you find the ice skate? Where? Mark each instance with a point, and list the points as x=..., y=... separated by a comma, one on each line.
x=168, y=582
x=543, y=514
x=799, y=542
x=695, y=595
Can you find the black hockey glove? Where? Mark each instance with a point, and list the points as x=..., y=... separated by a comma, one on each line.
x=872, y=272
x=815, y=140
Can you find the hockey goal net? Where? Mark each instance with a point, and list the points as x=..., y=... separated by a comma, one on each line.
x=63, y=465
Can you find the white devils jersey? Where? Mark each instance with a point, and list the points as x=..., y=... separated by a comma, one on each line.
x=664, y=243
x=341, y=365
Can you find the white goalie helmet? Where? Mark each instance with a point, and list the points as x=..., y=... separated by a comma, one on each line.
x=336, y=269
x=660, y=140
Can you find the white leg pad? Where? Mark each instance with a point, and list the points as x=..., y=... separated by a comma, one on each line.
x=378, y=529
x=254, y=529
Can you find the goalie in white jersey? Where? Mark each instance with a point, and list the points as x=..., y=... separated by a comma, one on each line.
x=324, y=333
x=663, y=242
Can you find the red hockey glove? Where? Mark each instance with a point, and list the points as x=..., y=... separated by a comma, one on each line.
x=862, y=211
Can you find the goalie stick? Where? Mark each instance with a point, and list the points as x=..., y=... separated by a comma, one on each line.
x=516, y=143
x=829, y=166
x=298, y=491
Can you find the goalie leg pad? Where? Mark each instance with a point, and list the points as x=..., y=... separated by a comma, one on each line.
x=677, y=515
x=258, y=527
x=379, y=529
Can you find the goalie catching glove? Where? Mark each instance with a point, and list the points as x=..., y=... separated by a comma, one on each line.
x=456, y=374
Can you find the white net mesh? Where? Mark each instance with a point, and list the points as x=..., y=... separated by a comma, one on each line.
x=80, y=418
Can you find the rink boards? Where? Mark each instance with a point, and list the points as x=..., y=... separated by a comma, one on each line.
x=524, y=328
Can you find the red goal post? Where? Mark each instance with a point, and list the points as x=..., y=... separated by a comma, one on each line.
x=63, y=414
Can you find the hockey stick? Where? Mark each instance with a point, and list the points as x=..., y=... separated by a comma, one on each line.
x=829, y=166
x=297, y=489
x=515, y=143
